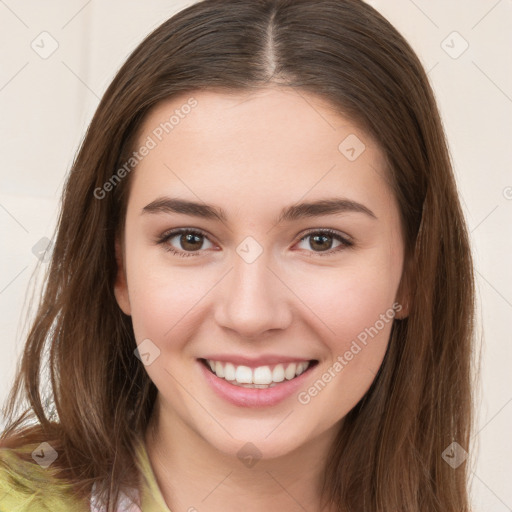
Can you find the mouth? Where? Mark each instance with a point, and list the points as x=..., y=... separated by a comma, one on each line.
x=261, y=377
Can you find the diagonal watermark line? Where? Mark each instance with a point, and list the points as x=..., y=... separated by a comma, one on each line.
x=497, y=291
x=280, y=423
x=485, y=15
x=497, y=497
x=194, y=305
x=487, y=423
x=382, y=175
x=424, y=13
x=432, y=67
x=199, y=403
x=492, y=211
x=14, y=76
x=165, y=165
x=12, y=280
x=492, y=81
x=14, y=218
x=373, y=372
x=285, y=490
x=13, y=13
x=300, y=299
x=216, y=487
x=80, y=79
x=302, y=96
x=76, y=14
x=306, y=193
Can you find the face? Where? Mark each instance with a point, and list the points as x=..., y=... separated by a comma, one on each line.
x=221, y=262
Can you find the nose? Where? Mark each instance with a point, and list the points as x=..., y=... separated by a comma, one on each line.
x=253, y=299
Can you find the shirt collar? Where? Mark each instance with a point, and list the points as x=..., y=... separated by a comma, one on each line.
x=151, y=499
x=150, y=496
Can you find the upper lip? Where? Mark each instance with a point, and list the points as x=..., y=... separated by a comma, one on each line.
x=254, y=362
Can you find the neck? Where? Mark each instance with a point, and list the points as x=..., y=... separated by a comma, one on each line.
x=194, y=476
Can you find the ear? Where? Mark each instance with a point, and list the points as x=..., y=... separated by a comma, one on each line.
x=403, y=294
x=121, y=285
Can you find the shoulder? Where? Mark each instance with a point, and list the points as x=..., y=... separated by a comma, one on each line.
x=28, y=482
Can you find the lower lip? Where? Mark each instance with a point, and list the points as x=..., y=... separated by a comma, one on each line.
x=254, y=397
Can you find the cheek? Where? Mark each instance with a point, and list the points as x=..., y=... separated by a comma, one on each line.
x=159, y=295
x=162, y=301
x=354, y=309
x=350, y=299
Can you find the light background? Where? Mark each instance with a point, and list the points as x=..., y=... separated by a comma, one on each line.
x=47, y=103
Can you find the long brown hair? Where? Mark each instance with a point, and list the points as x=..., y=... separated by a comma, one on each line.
x=388, y=454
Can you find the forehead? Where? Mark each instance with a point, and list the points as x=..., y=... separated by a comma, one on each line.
x=273, y=144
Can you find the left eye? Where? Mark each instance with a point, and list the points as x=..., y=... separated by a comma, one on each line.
x=323, y=241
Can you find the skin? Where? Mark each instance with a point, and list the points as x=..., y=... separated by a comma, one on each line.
x=253, y=154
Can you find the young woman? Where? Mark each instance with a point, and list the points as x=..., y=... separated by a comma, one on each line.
x=261, y=291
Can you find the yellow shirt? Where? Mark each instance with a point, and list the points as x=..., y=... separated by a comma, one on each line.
x=30, y=487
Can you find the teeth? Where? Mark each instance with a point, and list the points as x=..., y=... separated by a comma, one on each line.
x=260, y=377
x=278, y=373
x=260, y=386
x=290, y=371
x=219, y=369
x=243, y=374
x=301, y=368
x=229, y=371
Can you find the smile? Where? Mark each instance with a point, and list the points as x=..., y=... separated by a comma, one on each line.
x=260, y=377
x=246, y=386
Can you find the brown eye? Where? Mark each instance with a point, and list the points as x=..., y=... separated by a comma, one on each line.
x=184, y=242
x=322, y=241
x=190, y=241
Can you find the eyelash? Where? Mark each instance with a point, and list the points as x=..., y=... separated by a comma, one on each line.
x=345, y=242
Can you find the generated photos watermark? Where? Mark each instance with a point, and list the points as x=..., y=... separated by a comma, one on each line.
x=305, y=397
x=151, y=142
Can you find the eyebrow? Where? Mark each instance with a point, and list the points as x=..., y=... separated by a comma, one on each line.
x=328, y=206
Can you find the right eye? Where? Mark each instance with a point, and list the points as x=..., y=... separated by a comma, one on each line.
x=190, y=240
